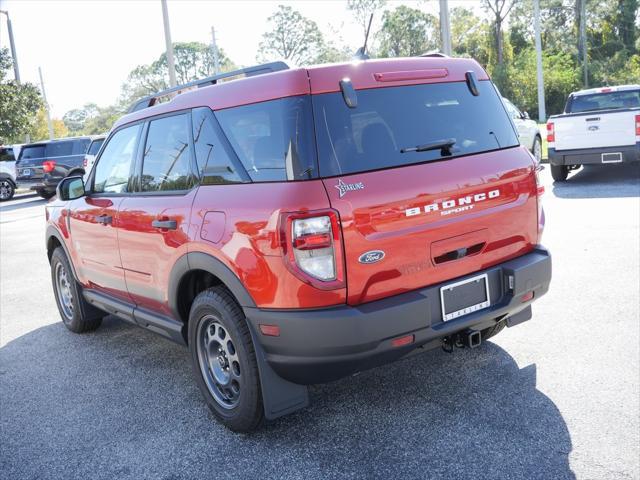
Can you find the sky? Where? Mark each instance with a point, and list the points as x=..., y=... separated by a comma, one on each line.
x=87, y=48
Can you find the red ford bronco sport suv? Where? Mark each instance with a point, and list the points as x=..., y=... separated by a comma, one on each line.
x=296, y=226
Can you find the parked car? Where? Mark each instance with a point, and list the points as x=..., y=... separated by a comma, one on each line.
x=7, y=172
x=42, y=165
x=528, y=131
x=299, y=225
x=598, y=126
x=90, y=156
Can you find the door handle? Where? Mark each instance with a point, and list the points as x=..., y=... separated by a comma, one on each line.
x=165, y=224
x=104, y=219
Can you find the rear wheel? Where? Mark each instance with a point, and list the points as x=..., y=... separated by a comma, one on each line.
x=559, y=172
x=76, y=314
x=224, y=360
x=7, y=189
x=45, y=194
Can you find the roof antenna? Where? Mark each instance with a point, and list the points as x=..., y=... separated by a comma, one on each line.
x=361, y=54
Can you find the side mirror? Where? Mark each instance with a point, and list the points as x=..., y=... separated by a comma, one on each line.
x=70, y=188
x=525, y=115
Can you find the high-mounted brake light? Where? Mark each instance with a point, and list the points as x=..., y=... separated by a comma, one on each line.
x=48, y=166
x=551, y=133
x=312, y=248
x=637, y=125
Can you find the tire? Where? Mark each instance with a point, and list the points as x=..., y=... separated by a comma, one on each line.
x=487, y=333
x=537, y=149
x=224, y=360
x=45, y=194
x=7, y=189
x=559, y=172
x=77, y=315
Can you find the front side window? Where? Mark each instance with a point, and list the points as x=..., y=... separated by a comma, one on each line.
x=215, y=161
x=166, y=163
x=114, y=165
x=274, y=139
x=396, y=126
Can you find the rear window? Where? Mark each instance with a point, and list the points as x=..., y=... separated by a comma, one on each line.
x=95, y=146
x=6, y=155
x=274, y=139
x=32, y=151
x=604, y=101
x=388, y=120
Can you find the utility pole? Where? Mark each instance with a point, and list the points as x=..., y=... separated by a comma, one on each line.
x=214, y=51
x=542, y=114
x=12, y=44
x=167, y=38
x=445, y=27
x=583, y=40
x=46, y=105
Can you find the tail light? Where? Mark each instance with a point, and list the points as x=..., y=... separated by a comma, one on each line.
x=85, y=161
x=312, y=248
x=637, y=125
x=551, y=133
x=48, y=166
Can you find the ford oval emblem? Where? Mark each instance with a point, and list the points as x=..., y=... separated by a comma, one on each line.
x=371, y=257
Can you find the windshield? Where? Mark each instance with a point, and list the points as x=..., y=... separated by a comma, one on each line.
x=389, y=125
x=95, y=146
x=604, y=101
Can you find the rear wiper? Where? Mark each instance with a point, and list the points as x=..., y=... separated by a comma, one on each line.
x=443, y=145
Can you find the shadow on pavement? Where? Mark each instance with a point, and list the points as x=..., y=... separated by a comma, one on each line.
x=122, y=403
x=601, y=181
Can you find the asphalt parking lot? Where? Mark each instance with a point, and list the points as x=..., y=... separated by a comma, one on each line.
x=554, y=398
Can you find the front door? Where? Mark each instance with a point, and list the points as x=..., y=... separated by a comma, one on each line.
x=154, y=221
x=93, y=219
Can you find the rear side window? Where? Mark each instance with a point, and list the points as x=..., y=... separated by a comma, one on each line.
x=604, y=101
x=6, y=155
x=216, y=165
x=114, y=165
x=388, y=120
x=95, y=146
x=166, y=162
x=274, y=139
x=30, y=152
x=59, y=149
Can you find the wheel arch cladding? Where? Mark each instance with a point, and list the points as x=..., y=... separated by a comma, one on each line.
x=195, y=272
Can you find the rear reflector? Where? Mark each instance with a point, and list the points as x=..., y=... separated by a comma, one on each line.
x=402, y=341
x=270, y=330
x=527, y=296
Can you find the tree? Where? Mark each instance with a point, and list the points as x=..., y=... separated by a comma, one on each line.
x=625, y=23
x=469, y=35
x=500, y=10
x=76, y=119
x=407, y=32
x=18, y=103
x=40, y=128
x=290, y=36
x=362, y=11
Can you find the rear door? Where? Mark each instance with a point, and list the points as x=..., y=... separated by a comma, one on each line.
x=422, y=217
x=154, y=221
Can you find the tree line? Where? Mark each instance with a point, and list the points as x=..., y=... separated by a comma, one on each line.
x=500, y=38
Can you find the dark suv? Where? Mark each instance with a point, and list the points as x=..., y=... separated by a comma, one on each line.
x=41, y=166
x=300, y=225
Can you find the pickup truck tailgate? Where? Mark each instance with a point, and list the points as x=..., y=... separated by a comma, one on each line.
x=595, y=130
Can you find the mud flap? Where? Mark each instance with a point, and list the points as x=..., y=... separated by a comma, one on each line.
x=279, y=396
x=517, y=318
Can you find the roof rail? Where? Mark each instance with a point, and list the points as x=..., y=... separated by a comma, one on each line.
x=151, y=100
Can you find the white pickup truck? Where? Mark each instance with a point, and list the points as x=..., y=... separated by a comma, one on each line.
x=599, y=125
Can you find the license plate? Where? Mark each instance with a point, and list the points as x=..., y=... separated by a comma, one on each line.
x=612, y=157
x=26, y=172
x=464, y=297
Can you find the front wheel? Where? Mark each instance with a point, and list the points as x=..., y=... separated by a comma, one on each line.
x=224, y=360
x=45, y=194
x=7, y=190
x=537, y=150
x=559, y=172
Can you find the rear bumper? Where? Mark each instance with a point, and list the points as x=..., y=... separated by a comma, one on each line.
x=317, y=346
x=628, y=153
x=47, y=184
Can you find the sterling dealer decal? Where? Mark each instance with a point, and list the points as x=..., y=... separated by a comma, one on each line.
x=343, y=188
x=457, y=205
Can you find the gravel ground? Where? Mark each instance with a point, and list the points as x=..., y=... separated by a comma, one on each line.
x=554, y=398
